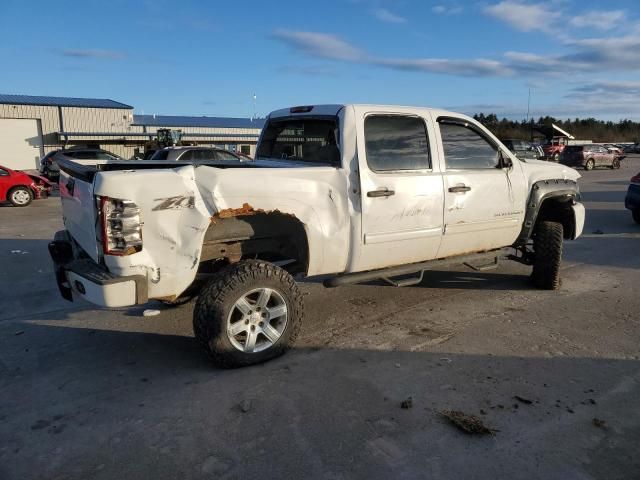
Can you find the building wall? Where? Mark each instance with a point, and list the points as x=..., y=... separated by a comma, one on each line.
x=49, y=119
x=78, y=119
x=113, y=120
x=225, y=140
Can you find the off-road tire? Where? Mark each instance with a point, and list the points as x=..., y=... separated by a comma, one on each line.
x=218, y=297
x=590, y=164
x=615, y=165
x=15, y=190
x=636, y=215
x=547, y=248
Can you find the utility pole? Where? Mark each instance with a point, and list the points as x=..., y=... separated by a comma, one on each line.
x=529, y=122
x=254, y=114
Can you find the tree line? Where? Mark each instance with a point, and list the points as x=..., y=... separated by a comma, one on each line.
x=598, y=131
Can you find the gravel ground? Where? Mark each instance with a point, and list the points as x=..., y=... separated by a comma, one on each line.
x=93, y=393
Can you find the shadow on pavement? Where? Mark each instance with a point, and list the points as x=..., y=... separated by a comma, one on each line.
x=111, y=404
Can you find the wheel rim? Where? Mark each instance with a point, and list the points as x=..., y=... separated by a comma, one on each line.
x=257, y=320
x=590, y=165
x=21, y=197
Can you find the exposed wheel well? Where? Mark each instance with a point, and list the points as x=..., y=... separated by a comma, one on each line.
x=558, y=210
x=272, y=236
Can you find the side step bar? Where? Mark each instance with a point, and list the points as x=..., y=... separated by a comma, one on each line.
x=414, y=268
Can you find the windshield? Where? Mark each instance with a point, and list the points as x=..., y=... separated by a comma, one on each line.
x=308, y=139
x=160, y=155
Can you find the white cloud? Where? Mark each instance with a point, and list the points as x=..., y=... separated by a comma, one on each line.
x=385, y=15
x=447, y=10
x=321, y=45
x=89, y=53
x=525, y=17
x=474, y=67
x=611, y=54
x=600, y=20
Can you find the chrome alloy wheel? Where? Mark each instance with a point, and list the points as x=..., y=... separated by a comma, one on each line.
x=257, y=320
x=21, y=196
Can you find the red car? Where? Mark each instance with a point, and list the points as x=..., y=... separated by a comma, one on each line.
x=21, y=188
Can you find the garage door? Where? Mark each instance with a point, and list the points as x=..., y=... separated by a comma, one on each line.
x=20, y=143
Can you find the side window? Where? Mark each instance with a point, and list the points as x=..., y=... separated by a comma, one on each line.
x=187, y=156
x=208, y=155
x=225, y=156
x=395, y=142
x=86, y=155
x=3, y=173
x=464, y=148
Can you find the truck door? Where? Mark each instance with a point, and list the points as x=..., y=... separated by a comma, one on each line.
x=484, y=203
x=401, y=190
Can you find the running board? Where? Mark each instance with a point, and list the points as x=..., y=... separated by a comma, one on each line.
x=386, y=274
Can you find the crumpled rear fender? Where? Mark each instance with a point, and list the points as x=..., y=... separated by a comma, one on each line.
x=174, y=218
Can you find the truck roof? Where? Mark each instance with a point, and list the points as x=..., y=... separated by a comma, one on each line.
x=333, y=109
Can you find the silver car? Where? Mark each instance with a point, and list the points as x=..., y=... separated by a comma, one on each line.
x=196, y=153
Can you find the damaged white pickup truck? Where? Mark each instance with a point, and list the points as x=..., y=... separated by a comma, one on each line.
x=350, y=192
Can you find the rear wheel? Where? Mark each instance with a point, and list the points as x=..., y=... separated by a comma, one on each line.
x=547, y=248
x=615, y=164
x=20, y=196
x=250, y=312
x=636, y=215
x=590, y=164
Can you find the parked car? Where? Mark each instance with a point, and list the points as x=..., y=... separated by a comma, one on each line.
x=191, y=153
x=348, y=192
x=522, y=149
x=553, y=149
x=615, y=149
x=632, y=148
x=632, y=200
x=21, y=188
x=49, y=163
x=589, y=157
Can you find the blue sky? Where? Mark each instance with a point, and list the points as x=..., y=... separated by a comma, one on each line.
x=579, y=58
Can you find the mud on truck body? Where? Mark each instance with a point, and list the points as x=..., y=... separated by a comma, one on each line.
x=350, y=192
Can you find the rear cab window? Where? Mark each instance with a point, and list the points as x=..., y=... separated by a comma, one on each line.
x=306, y=139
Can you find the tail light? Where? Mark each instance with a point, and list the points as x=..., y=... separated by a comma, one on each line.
x=121, y=226
x=636, y=179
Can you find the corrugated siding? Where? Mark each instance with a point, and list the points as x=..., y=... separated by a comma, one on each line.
x=96, y=119
x=77, y=119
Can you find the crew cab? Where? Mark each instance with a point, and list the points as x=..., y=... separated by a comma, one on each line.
x=349, y=192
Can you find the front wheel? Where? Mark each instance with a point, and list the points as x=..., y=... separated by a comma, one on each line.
x=547, y=248
x=20, y=196
x=250, y=312
x=589, y=165
x=615, y=165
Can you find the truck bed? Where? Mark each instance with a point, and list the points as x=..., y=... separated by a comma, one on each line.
x=87, y=172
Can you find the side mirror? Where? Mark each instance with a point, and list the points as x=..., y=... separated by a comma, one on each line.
x=504, y=161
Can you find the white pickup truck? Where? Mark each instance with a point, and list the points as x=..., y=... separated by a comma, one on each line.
x=350, y=192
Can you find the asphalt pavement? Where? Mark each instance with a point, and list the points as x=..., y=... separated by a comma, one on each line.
x=89, y=393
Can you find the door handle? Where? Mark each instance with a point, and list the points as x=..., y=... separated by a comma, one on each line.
x=459, y=189
x=384, y=192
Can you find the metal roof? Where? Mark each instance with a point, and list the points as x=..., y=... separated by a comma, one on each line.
x=61, y=101
x=210, y=122
x=153, y=134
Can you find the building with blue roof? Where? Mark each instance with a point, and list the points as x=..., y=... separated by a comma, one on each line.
x=31, y=126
